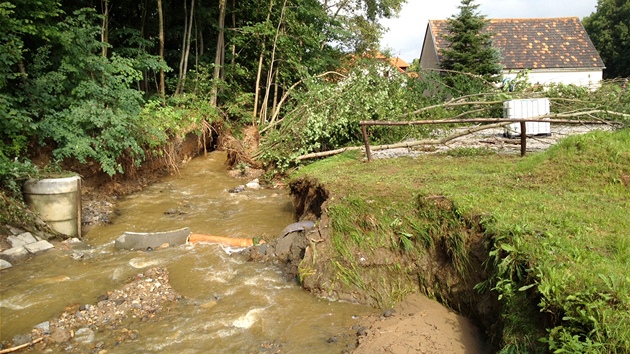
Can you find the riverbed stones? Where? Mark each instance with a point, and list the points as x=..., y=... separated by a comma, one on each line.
x=44, y=327
x=60, y=335
x=140, y=300
x=21, y=339
x=84, y=335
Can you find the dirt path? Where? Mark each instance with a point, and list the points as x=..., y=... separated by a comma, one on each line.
x=420, y=325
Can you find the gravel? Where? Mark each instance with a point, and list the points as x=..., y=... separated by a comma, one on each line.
x=75, y=330
x=491, y=139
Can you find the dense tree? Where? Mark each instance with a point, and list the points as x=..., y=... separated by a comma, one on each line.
x=469, y=48
x=609, y=29
x=79, y=76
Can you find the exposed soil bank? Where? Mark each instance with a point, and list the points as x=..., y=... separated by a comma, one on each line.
x=387, y=276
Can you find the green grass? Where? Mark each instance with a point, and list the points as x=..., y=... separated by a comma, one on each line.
x=558, y=225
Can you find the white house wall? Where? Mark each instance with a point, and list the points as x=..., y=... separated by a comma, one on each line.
x=589, y=79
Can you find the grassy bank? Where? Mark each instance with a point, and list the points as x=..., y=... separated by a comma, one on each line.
x=545, y=238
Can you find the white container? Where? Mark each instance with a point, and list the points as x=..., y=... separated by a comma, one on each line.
x=527, y=108
x=57, y=201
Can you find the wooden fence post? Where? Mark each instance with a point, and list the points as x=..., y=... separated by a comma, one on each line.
x=523, y=139
x=368, y=153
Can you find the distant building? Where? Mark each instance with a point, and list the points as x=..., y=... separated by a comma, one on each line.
x=396, y=62
x=554, y=50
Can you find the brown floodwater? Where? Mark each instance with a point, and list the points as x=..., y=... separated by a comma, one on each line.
x=230, y=305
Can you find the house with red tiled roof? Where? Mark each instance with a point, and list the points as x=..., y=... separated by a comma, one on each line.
x=396, y=62
x=554, y=50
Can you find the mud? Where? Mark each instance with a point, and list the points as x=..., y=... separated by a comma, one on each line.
x=420, y=325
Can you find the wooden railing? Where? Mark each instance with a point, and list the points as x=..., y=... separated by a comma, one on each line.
x=522, y=122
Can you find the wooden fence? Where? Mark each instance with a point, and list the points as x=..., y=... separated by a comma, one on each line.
x=522, y=121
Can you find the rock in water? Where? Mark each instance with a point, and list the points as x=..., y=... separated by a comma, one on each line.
x=84, y=335
x=253, y=184
x=389, y=313
x=4, y=264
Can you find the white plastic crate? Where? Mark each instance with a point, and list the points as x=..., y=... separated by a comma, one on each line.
x=527, y=108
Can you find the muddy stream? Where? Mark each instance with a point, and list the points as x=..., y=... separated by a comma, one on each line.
x=229, y=305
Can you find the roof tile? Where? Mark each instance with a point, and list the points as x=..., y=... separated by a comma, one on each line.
x=522, y=41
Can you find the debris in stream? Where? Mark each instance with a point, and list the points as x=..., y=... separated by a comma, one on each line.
x=76, y=329
x=143, y=240
x=237, y=189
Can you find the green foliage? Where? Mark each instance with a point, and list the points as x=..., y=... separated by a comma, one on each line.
x=13, y=173
x=325, y=115
x=22, y=23
x=609, y=29
x=94, y=114
x=557, y=267
x=469, y=48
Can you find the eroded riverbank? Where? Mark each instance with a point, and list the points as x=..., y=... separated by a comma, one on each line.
x=225, y=301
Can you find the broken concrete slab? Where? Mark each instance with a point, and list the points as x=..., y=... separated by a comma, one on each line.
x=14, y=230
x=144, y=240
x=21, y=239
x=14, y=252
x=38, y=246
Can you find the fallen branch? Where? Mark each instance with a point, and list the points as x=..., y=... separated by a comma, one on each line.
x=328, y=153
x=546, y=118
x=286, y=94
x=407, y=144
x=10, y=350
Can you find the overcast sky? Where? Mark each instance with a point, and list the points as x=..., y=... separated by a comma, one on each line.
x=406, y=32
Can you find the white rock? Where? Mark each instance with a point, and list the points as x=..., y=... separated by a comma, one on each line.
x=4, y=264
x=253, y=184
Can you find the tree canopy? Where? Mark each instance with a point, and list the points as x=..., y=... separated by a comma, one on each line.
x=77, y=76
x=609, y=29
x=469, y=48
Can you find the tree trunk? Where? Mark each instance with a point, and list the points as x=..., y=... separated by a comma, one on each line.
x=105, y=26
x=196, y=54
x=161, y=20
x=183, y=63
x=220, y=53
x=275, y=93
x=263, y=108
x=145, y=74
x=187, y=53
x=233, y=26
x=259, y=74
